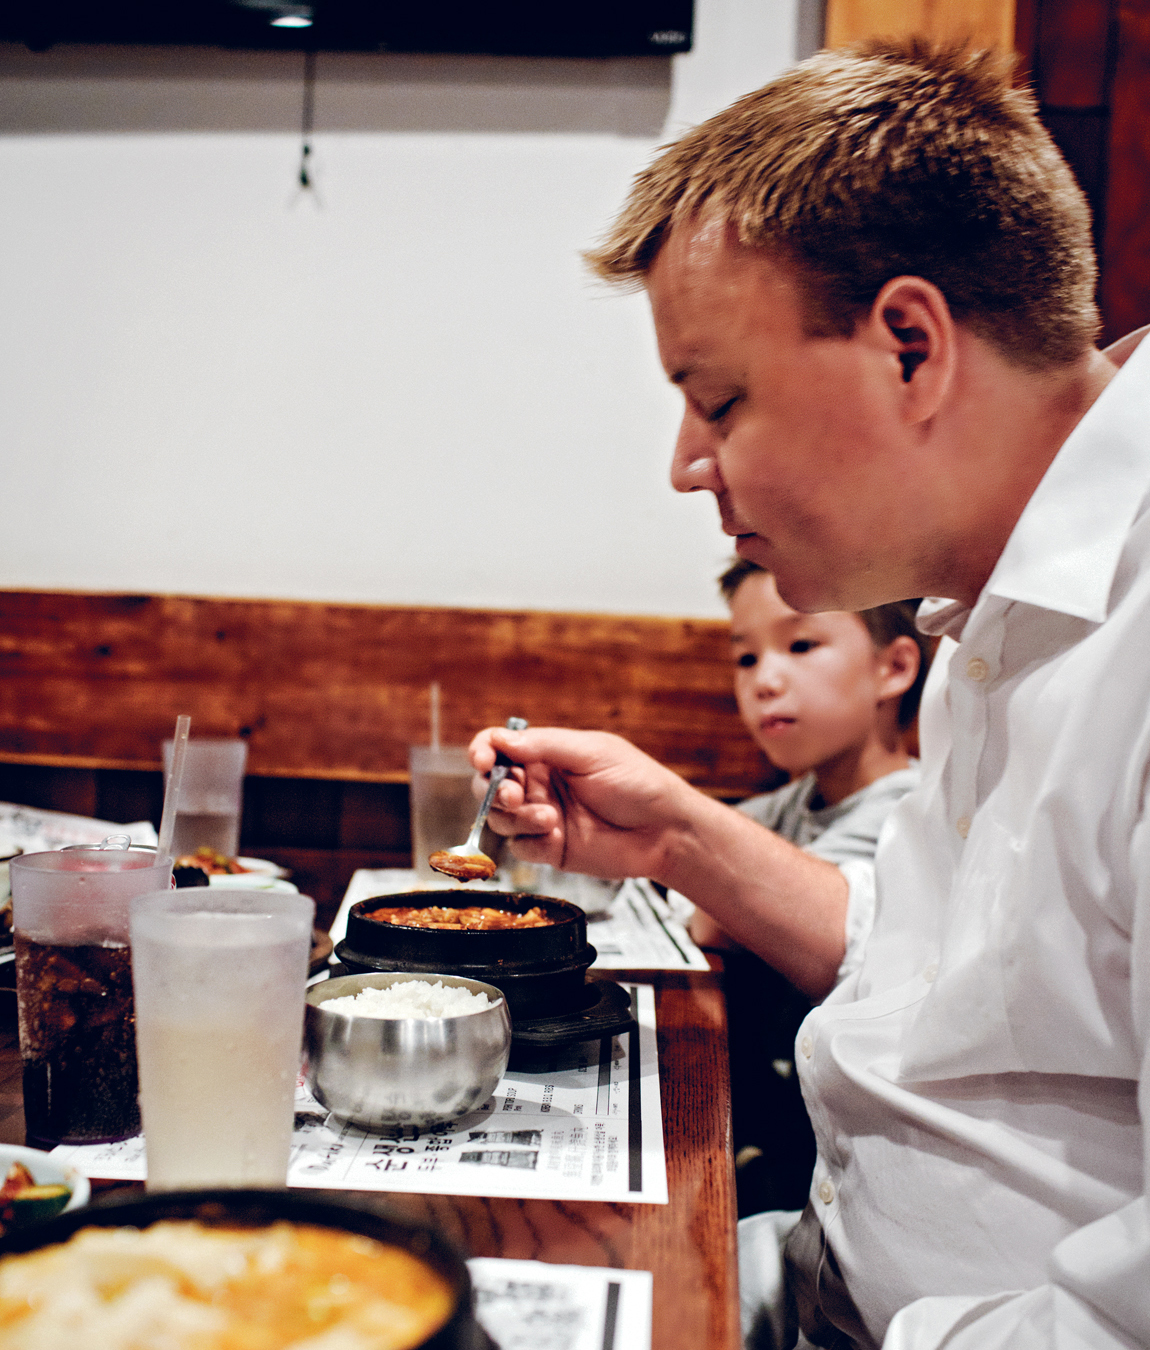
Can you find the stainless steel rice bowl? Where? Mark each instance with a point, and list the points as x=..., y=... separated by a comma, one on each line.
x=420, y=1071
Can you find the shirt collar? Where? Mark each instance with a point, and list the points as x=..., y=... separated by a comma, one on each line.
x=938, y=617
x=1063, y=552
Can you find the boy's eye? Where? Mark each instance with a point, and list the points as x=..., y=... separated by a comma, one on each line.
x=801, y=645
x=746, y=660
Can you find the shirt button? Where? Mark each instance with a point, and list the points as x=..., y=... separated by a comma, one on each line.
x=962, y=825
x=977, y=669
x=826, y=1192
x=807, y=1046
x=929, y=973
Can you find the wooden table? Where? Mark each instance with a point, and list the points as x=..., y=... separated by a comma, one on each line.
x=688, y=1244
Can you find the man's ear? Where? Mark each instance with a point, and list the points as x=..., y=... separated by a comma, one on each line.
x=899, y=661
x=913, y=325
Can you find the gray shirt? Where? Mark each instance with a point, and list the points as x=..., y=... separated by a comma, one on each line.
x=849, y=829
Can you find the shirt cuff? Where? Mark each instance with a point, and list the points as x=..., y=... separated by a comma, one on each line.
x=859, y=873
x=679, y=908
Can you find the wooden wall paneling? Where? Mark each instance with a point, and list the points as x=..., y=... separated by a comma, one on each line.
x=1082, y=134
x=369, y=820
x=1071, y=58
x=54, y=788
x=129, y=794
x=1090, y=61
x=341, y=691
x=292, y=812
x=989, y=23
x=375, y=815
x=1072, y=64
x=1025, y=39
x=1125, y=284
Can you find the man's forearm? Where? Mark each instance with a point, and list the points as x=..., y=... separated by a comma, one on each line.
x=783, y=904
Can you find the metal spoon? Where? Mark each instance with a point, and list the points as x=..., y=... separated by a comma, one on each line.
x=467, y=862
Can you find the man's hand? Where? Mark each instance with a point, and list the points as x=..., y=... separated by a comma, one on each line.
x=584, y=801
x=590, y=802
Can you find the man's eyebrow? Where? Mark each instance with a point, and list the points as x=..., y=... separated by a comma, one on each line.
x=680, y=375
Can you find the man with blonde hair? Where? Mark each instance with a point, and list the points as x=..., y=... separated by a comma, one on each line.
x=872, y=281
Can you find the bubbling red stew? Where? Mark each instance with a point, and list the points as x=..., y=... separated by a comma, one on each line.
x=472, y=916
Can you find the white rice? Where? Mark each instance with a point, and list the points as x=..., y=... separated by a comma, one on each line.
x=411, y=998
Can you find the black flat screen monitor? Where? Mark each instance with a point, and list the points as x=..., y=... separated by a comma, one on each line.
x=572, y=28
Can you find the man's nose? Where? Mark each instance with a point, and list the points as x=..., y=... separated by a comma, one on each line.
x=694, y=467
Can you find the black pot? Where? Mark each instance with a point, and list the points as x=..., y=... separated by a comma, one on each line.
x=257, y=1209
x=542, y=972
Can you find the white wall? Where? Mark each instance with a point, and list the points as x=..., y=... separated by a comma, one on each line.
x=404, y=390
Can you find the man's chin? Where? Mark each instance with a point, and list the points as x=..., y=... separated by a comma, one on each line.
x=806, y=593
x=808, y=587
x=754, y=549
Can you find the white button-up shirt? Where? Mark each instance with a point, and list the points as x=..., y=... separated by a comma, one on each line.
x=974, y=1084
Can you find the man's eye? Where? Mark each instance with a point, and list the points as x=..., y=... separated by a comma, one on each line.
x=746, y=660
x=717, y=414
x=801, y=645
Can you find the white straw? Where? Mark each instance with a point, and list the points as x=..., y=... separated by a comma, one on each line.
x=435, y=714
x=172, y=788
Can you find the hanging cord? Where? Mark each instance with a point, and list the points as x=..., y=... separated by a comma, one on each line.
x=307, y=120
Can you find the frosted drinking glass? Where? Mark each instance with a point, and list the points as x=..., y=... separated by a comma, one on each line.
x=74, y=989
x=211, y=796
x=219, y=978
x=442, y=806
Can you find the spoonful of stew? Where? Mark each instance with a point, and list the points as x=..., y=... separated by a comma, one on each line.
x=467, y=862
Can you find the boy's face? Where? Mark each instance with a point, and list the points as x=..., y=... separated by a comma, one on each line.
x=808, y=685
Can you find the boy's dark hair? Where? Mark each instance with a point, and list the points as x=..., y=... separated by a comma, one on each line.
x=884, y=623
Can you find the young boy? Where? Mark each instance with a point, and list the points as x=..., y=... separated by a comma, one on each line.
x=828, y=698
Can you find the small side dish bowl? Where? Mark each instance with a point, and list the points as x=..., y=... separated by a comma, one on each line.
x=421, y=1071
x=46, y=1172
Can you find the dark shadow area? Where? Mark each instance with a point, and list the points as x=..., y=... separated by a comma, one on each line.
x=303, y=813
x=320, y=830
x=773, y=1140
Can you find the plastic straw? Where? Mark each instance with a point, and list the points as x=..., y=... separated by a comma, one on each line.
x=172, y=788
x=435, y=714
